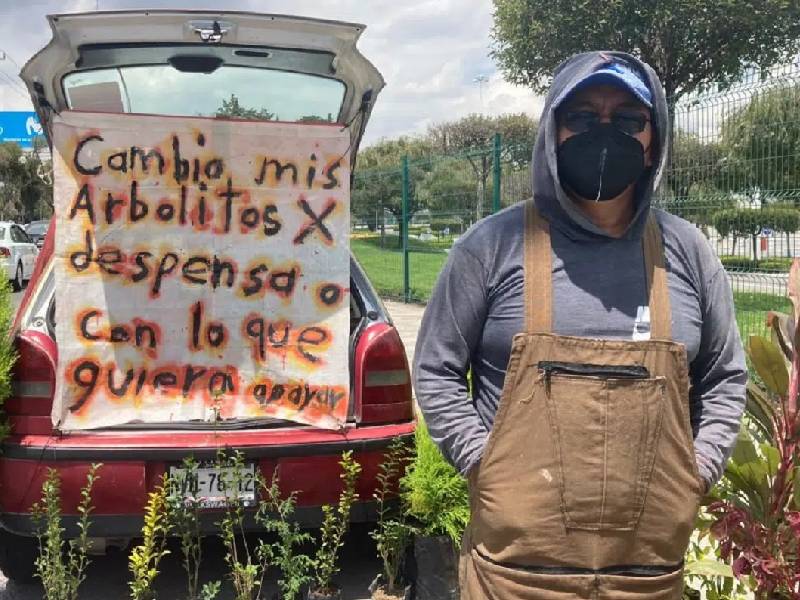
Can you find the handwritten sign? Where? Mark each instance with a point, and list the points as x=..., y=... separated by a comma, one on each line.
x=202, y=271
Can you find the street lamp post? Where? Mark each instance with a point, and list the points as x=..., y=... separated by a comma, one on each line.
x=480, y=80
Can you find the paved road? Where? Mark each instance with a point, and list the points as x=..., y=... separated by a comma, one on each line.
x=406, y=318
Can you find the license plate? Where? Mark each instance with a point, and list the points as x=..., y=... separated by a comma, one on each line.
x=212, y=486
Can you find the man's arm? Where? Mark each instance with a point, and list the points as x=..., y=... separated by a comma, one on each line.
x=719, y=376
x=450, y=331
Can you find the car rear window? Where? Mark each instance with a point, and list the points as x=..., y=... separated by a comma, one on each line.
x=36, y=229
x=229, y=91
x=2, y=233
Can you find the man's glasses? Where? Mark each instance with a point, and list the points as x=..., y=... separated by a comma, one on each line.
x=579, y=121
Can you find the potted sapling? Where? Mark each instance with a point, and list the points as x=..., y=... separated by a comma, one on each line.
x=393, y=533
x=437, y=503
x=335, y=523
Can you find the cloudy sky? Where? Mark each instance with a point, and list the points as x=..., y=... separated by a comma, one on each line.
x=429, y=51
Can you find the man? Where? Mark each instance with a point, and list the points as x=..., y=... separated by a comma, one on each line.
x=608, y=375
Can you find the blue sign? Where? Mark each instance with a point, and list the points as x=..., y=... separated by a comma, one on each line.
x=20, y=127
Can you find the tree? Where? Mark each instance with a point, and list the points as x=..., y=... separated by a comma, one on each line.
x=762, y=141
x=691, y=44
x=12, y=177
x=473, y=136
x=744, y=222
x=26, y=188
x=738, y=222
x=694, y=164
x=697, y=183
x=378, y=181
x=447, y=190
x=232, y=108
x=315, y=119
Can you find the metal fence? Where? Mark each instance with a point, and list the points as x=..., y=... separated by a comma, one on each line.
x=439, y=197
x=734, y=173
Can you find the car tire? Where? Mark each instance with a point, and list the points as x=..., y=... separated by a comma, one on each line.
x=18, y=555
x=16, y=283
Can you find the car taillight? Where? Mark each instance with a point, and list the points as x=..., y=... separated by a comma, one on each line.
x=383, y=384
x=5, y=252
x=33, y=382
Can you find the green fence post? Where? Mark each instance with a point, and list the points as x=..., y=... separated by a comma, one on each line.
x=496, y=172
x=404, y=233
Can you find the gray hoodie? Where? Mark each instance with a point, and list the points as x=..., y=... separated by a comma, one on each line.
x=477, y=305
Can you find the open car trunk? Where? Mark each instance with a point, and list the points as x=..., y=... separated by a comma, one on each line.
x=190, y=62
x=234, y=66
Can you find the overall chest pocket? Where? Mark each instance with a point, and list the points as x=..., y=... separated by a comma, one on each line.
x=605, y=422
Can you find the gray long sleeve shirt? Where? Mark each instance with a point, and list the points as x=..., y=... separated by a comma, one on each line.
x=599, y=290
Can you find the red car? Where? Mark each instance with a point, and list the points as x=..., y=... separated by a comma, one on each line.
x=301, y=70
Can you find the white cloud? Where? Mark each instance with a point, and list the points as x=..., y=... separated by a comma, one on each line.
x=429, y=51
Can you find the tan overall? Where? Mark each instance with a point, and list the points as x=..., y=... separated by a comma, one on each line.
x=588, y=486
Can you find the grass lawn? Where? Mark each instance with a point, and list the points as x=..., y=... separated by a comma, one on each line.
x=384, y=267
x=751, y=311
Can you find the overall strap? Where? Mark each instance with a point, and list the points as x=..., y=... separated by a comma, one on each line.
x=538, y=272
x=538, y=265
x=660, y=310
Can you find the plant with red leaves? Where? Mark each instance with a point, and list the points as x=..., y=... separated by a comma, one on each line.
x=758, y=524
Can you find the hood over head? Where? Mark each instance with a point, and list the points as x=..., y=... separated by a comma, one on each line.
x=550, y=197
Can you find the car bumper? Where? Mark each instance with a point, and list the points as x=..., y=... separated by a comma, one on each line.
x=130, y=472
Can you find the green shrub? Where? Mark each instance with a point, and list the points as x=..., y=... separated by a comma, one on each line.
x=7, y=353
x=144, y=559
x=392, y=533
x=335, y=523
x=782, y=218
x=743, y=222
x=184, y=520
x=453, y=224
x=247, y=565
x=775, y=264
x=435, y=493
x=62, y=572
x=743, y=263
x=275, y=514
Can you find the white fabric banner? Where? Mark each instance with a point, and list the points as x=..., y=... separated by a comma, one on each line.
x=202, y=270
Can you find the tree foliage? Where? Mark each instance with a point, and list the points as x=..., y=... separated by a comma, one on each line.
x=695, y=164
x=449, y=167
x=478, y=131
x=690, y=43
x=27, y=190
x=378, y=184
x=473, y=136
x=447, y=188
x=762, y=141
x=749, y=222
x=233, y=108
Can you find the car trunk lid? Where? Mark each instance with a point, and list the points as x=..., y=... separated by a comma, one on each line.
x=195, y=44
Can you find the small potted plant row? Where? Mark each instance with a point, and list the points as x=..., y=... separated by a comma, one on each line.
x=421, y=502
x=335, y=523
x=436, y=501
x=429, y=520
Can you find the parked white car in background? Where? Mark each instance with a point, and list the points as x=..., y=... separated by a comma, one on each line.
x=17, y=254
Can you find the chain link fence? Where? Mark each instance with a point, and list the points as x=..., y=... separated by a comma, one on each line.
x=734, y=173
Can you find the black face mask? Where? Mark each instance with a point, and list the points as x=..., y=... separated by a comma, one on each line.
x=600, y=163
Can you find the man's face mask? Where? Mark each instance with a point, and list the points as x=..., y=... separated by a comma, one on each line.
x=599, y=163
